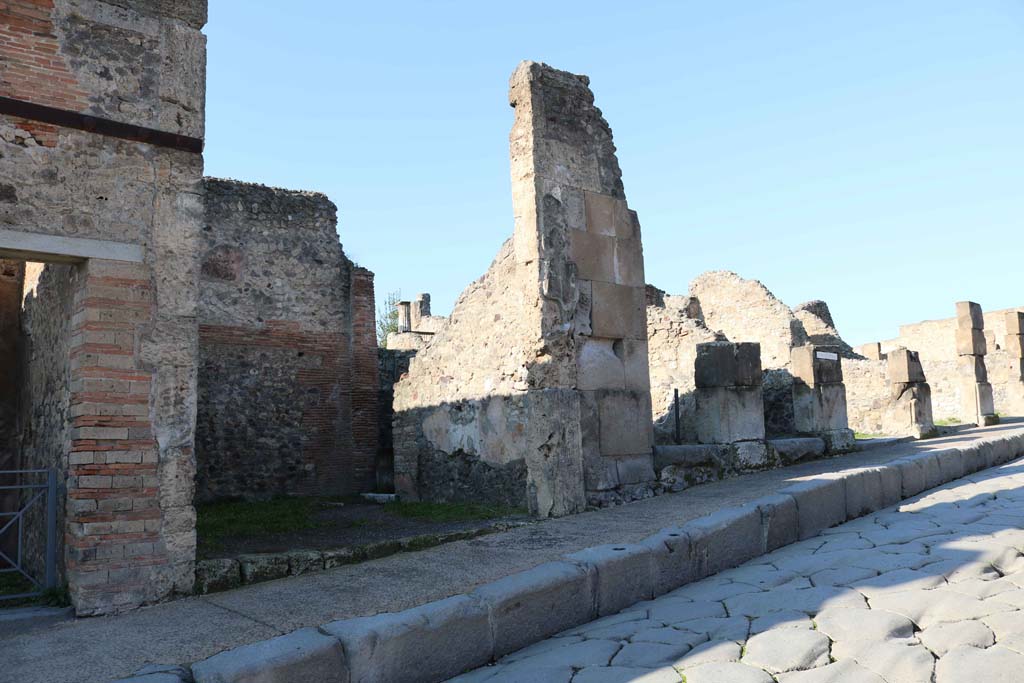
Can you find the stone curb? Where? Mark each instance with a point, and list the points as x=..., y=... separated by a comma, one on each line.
x=444, y=638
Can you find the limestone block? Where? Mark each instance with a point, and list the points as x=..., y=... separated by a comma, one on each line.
x=751, y=455
x=625, y=574
x=263, y=566
x=864, y=492
x=724, y=539
x=629, y=263
x=728, y=414
x=554, y=456
x=969, y=316
x=689, y=455
x=872, y=351
x=986, y=403
x=532, y=605
x=970, y=341
x=1013, y=344
x=797, y=449
x=904, y=366
x=780, y=523
x=820, y=504
x=670, y=552
x=634, y=469
x=303, y=655
x=820, y=408
x=600, y=473
x=638, y=372
x=607, y=215
x=748, y=364
x=715, y=365
x=432, y=642
x=972, y=368
x=625, y=422
x=217, y=575
x=615, y=311
x=1015, y=322
x=594, y=255
x=816, y=365
x=599, y=367
x=839, y=440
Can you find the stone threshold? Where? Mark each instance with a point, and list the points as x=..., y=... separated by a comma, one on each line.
x=441, y=639
x=221, y=574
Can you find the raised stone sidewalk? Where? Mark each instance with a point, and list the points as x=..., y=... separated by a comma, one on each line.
x=494, y=606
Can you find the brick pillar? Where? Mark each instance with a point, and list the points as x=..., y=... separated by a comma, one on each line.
x=365, y=379
x=976, y=404
x=819, y=396
x=116, y=555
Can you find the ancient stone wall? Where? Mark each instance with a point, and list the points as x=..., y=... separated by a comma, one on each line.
x=12, y=276
x=674, y=329
x=44, y=397
x=888, y=397
x=537, y=389
x=136, y=63
x=288, y=378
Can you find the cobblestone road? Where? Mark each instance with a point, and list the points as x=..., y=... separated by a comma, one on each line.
x=931, y=590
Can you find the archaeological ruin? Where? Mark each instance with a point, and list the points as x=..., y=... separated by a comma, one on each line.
x=169, y=339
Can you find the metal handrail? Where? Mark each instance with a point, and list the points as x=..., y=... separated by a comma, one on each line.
x=18, y=516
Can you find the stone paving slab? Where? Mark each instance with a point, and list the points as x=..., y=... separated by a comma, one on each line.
x=947, y=610
x=194, y=629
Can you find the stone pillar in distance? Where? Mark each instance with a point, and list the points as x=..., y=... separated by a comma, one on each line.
x=819, y=396
x=976, y=404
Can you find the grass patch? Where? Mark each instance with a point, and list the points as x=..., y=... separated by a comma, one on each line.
x=948, y=422
x=862, y=435
x=13, y=583
x=218, y=521
x=450, y=512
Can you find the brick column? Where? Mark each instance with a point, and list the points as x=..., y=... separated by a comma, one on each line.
x=115, y=555
x=365, y=379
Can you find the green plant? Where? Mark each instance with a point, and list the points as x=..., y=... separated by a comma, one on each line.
x=387, y=318
x=948, y=421
x=450, y=512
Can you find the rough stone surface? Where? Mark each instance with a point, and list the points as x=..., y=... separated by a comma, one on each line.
x=304, y=655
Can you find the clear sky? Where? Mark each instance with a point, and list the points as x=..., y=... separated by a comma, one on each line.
x=868, y=153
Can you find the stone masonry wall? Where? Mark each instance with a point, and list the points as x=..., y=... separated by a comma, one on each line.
x=288, y=382
x=536, y=389
x=129, y=533
x=12, y=275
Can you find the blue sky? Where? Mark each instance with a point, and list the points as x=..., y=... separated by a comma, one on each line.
x=867, y=153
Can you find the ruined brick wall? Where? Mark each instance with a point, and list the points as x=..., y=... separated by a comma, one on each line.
x=44, y=399
x=288, y=381
x=537, y=389
x=673, y=333
x=130, y=522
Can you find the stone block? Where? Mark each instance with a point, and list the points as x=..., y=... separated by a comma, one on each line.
x=433, y=642
x=794, y=450
x=598, y=366
x=904, y=366
x=625, y=423
x=634, y=469
x=969, y=316
x=690, y=455
x=1013, y=344
x=872, y=351
x=780, y=522
x=912, y=476
x=970, y=342
x=304, y=655
x=624, y=574
x=670, y=553
x=608, y=215
x=305, y=561
x=972, y=459
x=553, y=454
x=594, y=255
x=724, y=539
x=751, y=455
x=638, y=372
x=839, y=440
x=629, y=263
x=729, y=414
x=864, y=492
x=715, y=365
x=748, y=364
x=820, y=504
x=615, y=311
x=951, y=464
x=1015, y=323
x=816, y=365
x=820, y=408
x=972, y=368
x=986, y=401
x=263, y=566
x=217, y=575
x=535, y=604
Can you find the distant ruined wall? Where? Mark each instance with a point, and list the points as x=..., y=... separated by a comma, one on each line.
x=536, y=392
x=672, y=339
x=288, y=383
x=867, y=393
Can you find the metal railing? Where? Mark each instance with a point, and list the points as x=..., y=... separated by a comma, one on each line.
x=38, y=495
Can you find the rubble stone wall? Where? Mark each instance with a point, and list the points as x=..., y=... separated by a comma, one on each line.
x=288, y=382
x=130, y=535
x=555, y=402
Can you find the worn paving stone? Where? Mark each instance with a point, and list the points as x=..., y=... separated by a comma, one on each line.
x=649, y=655
x=670, y=636
x=678, y=611
x=941, y=638
x=621, y=674
x=782, y=650
x=779, y=620
x=896, y=661
x=720, y=672
x=845, y=671
x=719, y=628
x=993, y=665
x=712, y=651
x=843, y=625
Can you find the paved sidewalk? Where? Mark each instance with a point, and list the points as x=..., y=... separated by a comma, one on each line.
x=192, y=629
x=933, y=587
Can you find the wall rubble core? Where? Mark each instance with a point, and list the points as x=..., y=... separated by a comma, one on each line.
x=554, y=410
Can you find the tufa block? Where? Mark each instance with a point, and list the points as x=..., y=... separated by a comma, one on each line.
x=816, y=365
x=904, y=367
x=970, y=342
x=969, y=316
